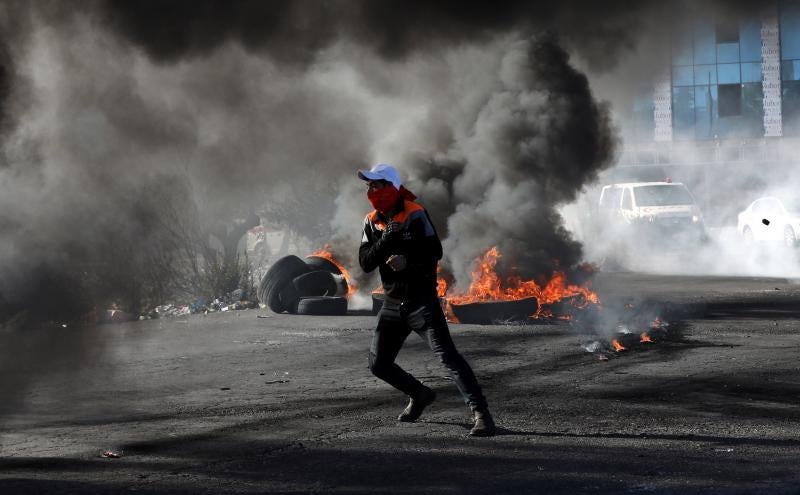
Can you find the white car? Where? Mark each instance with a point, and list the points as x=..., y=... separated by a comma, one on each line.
x=652, y=211
x=771, y=219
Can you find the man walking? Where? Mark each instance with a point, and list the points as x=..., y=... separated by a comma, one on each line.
x=399, y=239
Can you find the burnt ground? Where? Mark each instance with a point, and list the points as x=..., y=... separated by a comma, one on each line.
x=232, y=403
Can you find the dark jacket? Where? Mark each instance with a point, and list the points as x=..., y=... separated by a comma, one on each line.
x=417, y=241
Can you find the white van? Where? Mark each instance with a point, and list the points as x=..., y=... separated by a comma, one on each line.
x=656, y=211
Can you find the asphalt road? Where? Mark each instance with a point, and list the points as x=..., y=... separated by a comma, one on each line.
x=234, y=403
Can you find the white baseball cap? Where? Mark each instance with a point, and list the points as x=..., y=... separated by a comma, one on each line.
x=381, y=171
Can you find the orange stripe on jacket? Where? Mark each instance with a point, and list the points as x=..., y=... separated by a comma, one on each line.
x=409, y=207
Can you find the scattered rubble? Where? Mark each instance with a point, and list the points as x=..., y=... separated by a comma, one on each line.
x=234, y=301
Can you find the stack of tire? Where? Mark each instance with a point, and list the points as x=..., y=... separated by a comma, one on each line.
x=314, y=286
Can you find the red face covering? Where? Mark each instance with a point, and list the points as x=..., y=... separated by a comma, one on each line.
x=383, y=199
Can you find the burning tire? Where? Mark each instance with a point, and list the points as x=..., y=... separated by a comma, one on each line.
x=320, y=263
x=280, y=274
x=324, y=264
x=493, y=312
x=316, y=283
x=322, y=306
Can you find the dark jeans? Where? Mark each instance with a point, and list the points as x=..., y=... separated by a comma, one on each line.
x=395, y=323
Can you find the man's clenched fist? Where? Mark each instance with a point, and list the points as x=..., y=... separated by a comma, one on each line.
x=397, y=262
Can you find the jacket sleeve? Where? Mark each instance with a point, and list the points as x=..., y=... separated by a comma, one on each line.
x=372, y=252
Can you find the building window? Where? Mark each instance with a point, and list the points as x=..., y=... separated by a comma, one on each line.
x=705, y=74
x=682, y=76
x=730, y=100
x=683, y=112
x=790, y=99
x=642, y=117
x=790, y=70
x=727, y=37
x=729, y=73
x=790, y=66
x=716, y=76
x=750, y=40
x=751, y=72
x=790, y=30
x=705, y=103
x=705, y=50
x=727, y=31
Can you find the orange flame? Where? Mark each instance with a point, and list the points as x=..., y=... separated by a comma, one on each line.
x=645, y=338
x=448, y=313
x=617, y=346
x=327, y=253
x=657, y=323
x=441, y=283
x=486, y=285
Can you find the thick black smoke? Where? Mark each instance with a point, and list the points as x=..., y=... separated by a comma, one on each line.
x=127, y=127
x=537, y=140
x=295, y=30
x=104, y=100
x=108, y=103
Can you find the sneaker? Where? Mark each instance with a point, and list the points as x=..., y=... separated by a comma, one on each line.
x=416, y=405
x=484, y=424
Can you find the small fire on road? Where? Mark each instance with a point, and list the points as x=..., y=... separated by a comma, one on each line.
x=488, y=286
x=629, y=335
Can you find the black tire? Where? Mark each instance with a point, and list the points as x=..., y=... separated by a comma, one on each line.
x=288, y=298
x=322, y=305
x=281, y=273
x=316, y=283
x=493, y=312
x=320, y=263
x=342, y=287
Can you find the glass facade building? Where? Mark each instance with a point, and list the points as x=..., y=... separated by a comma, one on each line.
x=789, y=15
x=723, y=115
x=716, y=81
